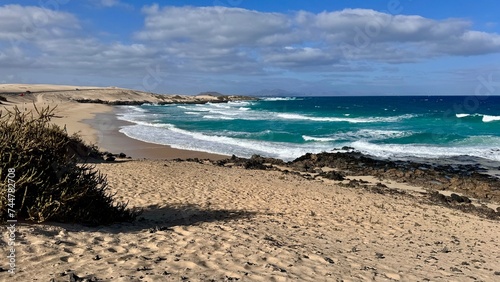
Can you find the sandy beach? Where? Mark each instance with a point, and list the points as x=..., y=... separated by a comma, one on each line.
x=203, y=222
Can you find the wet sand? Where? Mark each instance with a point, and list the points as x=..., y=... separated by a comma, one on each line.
x=110, y=139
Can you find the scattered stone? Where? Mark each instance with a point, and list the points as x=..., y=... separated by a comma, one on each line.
x=333, y=175
x=158, y=259
x=275, y=267
x=159, y=228
x=91, y=279
x=73, y=277
x=456, y=198
x=438, y=197
x=122, y=155
x=329, y=260
x=496, y=272
x=97, y=257
x=455, y=269
x=379, y=255
x=445, y=250
x=166, y=273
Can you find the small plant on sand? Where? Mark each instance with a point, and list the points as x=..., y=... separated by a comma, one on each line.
x=50, y=183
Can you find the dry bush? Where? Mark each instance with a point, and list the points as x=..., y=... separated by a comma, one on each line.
x=50, y=184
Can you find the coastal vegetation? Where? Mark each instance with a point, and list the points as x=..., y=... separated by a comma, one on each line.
x=44, y=176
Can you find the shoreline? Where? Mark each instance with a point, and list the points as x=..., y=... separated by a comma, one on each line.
x=109, y=138
x=107, y=126
x=446, y=174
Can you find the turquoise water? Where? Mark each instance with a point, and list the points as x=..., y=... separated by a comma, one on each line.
x=286, y=128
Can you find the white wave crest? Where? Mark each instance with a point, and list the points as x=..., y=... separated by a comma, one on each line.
x=363, y=134
x=339, y=119
x=280, y=99
x=424, y=151
x=487, y=118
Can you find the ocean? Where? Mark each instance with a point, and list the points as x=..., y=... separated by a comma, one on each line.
x=396, y=127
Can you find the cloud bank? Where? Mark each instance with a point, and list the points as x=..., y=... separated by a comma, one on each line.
x=234, y=41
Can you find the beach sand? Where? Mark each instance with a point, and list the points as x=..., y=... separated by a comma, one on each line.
x=208, y=223
x=203, y=222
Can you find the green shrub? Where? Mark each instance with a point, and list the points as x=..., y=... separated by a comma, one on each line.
x=50, y=183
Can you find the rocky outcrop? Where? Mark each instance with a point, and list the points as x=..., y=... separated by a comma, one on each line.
x=167, y=100
x=466, y=179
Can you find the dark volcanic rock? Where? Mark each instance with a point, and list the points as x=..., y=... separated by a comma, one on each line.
x=333, y=175
x=456, y=198
x=466, y=179
x=255, y=162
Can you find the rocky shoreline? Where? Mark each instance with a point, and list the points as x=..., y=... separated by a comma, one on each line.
x=166, y=100
x=451, y=185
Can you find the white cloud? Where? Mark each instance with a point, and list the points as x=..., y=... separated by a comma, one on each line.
x=19, y=23
x=233, y=41
x=111, y=4
x=217, y=26
x=350, y=34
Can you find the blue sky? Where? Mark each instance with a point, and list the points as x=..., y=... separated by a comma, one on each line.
x=313, y=47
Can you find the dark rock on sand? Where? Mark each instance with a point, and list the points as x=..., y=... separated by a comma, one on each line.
x=329, y=260
x=459, y=199
x=255, y=162
x=466, y=179
x=333, y=175
x=441, y=199
x=456, y=198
